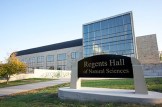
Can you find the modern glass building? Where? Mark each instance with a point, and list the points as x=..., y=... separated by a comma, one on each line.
x=113, y=35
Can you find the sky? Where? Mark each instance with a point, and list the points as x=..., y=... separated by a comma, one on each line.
x=26, y=24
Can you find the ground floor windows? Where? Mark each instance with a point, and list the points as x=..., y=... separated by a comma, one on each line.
x=61, y=67
x=50, y=67
x=39, y=67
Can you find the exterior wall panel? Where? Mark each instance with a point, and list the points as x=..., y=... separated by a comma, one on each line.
x=56, y=63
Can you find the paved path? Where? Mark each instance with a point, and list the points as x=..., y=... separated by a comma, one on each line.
x=22, y=88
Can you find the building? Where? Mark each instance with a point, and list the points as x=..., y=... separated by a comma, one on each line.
x=147, y=49
x=55, y=56
x=113, y=35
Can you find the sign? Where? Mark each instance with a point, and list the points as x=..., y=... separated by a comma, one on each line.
x=105, y=66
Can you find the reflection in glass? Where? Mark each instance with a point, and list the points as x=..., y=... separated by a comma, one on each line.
x=111, y=36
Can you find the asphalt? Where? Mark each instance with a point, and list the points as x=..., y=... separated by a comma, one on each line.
x=23, y=88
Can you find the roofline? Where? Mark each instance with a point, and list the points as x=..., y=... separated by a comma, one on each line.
x=108, y=18
x=146, y=35
x=57, y=46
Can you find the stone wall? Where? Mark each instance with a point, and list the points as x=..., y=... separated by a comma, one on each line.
x=55, y=74
x=147, y=49
x=152, y=70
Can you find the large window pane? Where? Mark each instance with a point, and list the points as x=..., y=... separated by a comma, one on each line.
x=97, y=26
x=85, y=35
x=91, y=35
x=40, y=59
x=119, y=21
x=50, y=58
x=97, y=33
x=33, y=60
x=85, y=28
x=75, y=55
x=104, y=24
x=61, y=57
x=126, y=19
x=91, y=27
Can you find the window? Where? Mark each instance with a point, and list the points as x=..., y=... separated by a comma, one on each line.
x=33, y=60
x=97, y=26
x=40, y=59
x=104, y=32
x=50, y=58
x=97, y=33
x=119, y=21
x=127, y=27
x=61, y=57
x=85, y=28
x=91, y=27
x=113, y=35
x=91, y=35
x=29, y=61
x=104, y=24
x=127, y=19
x=86, y=35
x=75, y=55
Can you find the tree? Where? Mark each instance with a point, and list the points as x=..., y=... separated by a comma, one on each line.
x=13, y=66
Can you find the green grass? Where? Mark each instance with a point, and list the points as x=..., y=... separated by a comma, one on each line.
x=24, y=81
x=109, y=83
x=153, y=84
x=47, y=97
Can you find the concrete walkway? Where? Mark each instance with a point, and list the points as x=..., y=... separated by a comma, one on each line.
x=22, y=88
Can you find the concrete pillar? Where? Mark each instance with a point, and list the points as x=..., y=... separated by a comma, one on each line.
x=139, y=81
x=75, y=81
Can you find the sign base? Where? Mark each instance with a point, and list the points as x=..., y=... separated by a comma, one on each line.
x=109, y=95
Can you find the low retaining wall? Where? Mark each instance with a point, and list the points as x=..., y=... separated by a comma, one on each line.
x=42, y=73
x=152, y=69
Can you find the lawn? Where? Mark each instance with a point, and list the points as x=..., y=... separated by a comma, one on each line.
x=153, y=84
x=47, y=97
x=24, y=81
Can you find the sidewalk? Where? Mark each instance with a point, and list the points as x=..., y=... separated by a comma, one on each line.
x=22, y=88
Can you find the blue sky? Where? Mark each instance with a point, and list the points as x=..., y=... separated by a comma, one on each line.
x=27, y=24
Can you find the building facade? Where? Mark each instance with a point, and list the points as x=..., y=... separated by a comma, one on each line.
x=113, y=35
x=147, y=49
x=59, y=56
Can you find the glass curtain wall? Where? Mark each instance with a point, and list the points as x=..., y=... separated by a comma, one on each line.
x=109, y=36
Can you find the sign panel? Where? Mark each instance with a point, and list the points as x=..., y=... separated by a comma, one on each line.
x=105, y=66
